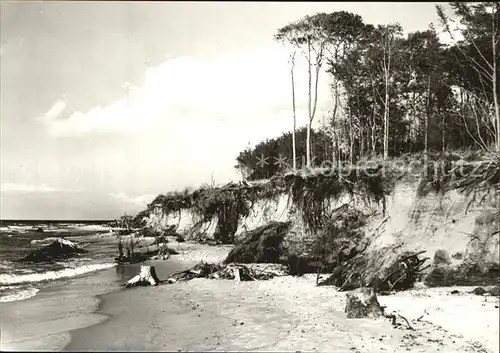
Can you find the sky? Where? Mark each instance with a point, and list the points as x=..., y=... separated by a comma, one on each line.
x=106, y=105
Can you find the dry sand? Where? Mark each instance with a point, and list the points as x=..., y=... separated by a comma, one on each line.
x=283, y=314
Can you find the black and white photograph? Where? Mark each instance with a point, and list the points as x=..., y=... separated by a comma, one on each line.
x=250, y=176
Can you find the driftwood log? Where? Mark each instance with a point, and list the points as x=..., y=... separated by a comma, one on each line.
x=147, y=277
x=237, y=272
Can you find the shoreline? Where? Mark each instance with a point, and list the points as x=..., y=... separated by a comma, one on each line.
x=45, y=320
x=190, y=253
x=282, y=314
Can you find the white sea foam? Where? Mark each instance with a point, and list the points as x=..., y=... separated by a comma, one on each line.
x=44, y=240
x=17, y=229
x=21, y=294
x=51, y=275
x=93, y=227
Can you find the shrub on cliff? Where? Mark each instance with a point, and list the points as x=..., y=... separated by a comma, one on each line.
x=313, y=192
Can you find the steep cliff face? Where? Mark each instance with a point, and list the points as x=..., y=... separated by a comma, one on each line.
x=452, y=227
x=187, y=221
x=451, y=221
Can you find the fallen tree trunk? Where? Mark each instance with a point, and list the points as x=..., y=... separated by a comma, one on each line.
x=237, y=272
x=147, y=277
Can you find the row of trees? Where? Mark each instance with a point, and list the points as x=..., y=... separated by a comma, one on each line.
x=395, y=93
x=276, y=156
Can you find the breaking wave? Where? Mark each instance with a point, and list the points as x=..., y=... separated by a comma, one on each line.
x=44, y=240
x=9, y=279
x=18, y=293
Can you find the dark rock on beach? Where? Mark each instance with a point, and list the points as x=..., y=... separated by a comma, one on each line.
x=479, y=291
x=58, y=249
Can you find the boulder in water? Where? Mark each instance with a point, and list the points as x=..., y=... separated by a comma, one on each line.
x=58, y=249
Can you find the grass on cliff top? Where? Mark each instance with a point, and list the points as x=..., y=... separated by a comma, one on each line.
x=467, y=176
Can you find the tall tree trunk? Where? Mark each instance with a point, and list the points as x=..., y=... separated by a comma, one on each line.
x=362, y=142
x=351, y=135
x=334, y=117
x=334, y=156
x=319, y=56
x=386, y=119
x=308, y=138
x=373, y=125
x=443, y=133
x=427, y=117
x=494, y=78
x=294, y=120
x=386, y=109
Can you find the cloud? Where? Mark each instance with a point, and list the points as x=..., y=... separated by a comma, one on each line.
x=53, y=113
x=141, y=200
x=187, y=91
x=16, y=187
x=184, y=125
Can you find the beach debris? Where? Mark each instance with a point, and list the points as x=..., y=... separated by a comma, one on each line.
x=147, y=277
x=401, y=274
x=59, y=248
x=404, y=272
x=394, y=315
x=237, y=275
x=237, y=272
x=363, y=303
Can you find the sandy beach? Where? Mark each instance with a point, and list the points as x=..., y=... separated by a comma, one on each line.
x=283, y=314
x=93, y=313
